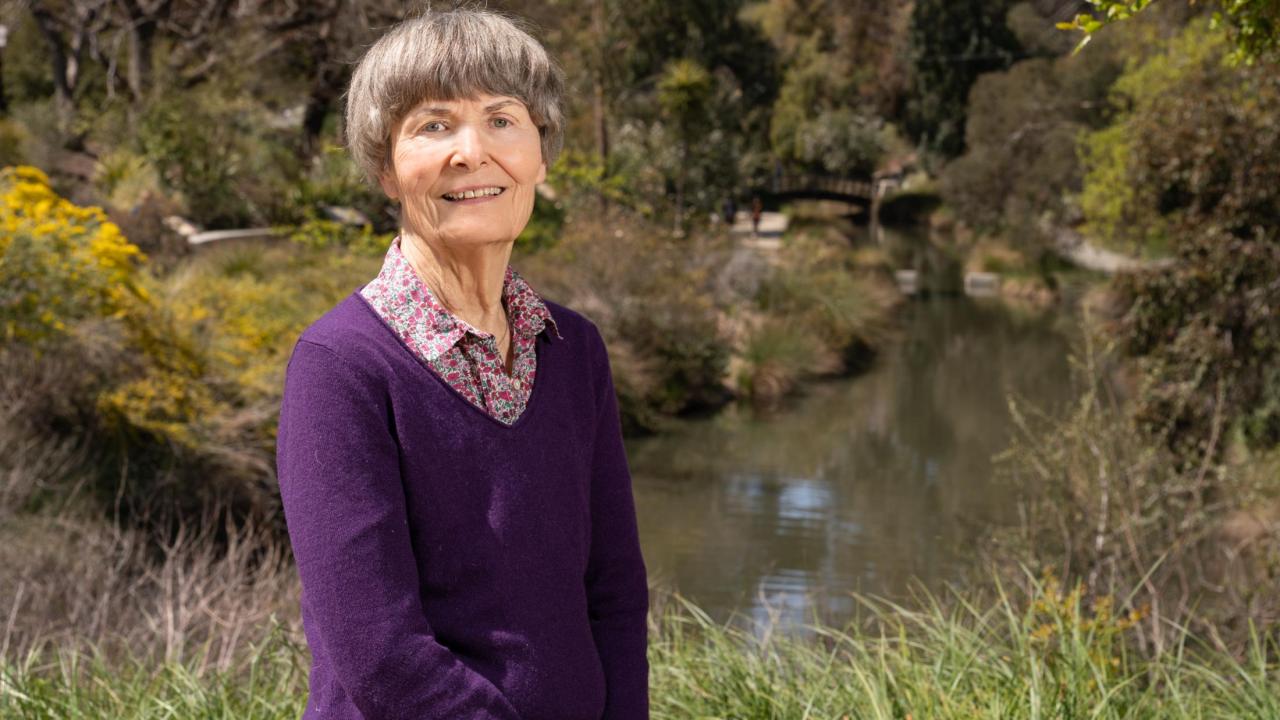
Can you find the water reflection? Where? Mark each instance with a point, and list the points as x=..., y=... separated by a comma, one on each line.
x=862, y=484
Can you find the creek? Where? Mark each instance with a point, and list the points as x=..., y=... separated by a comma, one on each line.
x=874, y=484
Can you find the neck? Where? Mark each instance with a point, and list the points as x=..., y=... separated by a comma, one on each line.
x=467, y=281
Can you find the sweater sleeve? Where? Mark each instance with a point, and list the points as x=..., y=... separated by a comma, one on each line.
x=617, y=589
x=344, y=506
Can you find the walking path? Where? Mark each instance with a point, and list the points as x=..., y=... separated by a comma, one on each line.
x=1074, y=247
x=772, y=227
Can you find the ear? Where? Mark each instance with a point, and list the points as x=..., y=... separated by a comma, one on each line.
x=387, y=179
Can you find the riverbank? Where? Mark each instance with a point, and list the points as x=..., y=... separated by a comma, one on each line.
x=697, y=322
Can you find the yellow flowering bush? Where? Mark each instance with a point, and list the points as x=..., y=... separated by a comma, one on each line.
x=187, y=367
x=59, y=263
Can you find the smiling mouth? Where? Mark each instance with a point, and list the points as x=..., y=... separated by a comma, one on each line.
x=476, y=193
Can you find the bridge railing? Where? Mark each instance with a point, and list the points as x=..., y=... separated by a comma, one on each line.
x=793, y=182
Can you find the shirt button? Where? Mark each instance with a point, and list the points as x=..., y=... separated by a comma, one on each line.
x=516, y=382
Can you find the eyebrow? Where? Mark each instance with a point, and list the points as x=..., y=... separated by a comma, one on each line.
x=444, y=111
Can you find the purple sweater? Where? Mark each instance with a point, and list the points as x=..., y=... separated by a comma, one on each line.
x=453, y=566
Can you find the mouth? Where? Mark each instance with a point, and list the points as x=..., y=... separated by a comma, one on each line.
x=475, y=193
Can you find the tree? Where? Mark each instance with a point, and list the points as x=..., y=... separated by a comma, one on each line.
x=856, y=44
x=1020, y=166
x=199, y=38
x=952, y=42
x=684, y=92
x=1192, y=166
x=68, y=28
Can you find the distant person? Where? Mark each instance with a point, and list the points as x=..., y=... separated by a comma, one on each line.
x=757, y=209
x=729, y=211
x=450, y=454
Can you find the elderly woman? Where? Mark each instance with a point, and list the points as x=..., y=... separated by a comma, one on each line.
x=450, y=456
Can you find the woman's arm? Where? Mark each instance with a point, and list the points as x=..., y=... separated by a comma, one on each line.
x=617, y=590
x=345, y=509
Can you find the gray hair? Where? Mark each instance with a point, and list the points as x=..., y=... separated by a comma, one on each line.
x=449, y=55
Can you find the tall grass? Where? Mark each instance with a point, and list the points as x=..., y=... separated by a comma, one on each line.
x=1105, y=502
x=1046, y=654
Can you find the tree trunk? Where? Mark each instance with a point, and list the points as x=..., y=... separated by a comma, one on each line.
x=141, y=41
x=61, y=63
x=4, y=98
x=684, y=156
x=597, y=83
x=326, y=85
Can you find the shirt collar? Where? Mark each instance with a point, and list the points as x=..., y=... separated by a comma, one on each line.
x=416, y=304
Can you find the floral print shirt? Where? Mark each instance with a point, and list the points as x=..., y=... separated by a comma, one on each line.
x=465, y=357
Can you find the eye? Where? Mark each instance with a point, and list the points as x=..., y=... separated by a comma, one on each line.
x=433, y=126
x=501, y=122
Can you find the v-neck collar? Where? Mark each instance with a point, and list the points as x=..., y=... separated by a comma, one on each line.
x=530, y=405
x=413, y=310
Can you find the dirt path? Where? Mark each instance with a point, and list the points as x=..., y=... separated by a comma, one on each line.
x=1074, y=247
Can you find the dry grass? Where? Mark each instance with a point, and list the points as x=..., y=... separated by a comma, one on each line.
x=80, y=582
x=1106, y=504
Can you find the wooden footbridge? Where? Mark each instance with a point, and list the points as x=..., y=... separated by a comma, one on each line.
x=859, y=191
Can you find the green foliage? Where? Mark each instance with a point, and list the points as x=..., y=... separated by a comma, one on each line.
x=545, y=223
x=689, y=89
x=333, y=179
x=708, y=33
x=952, y=43
x=219, y=154
x=777, y=356
x=652, y=297
x=1254, y=24
x=840, y=142
x=819, y=287
x=26, y=75
x=1020, y=166
x=12, y=139
x=814, y=130
x=822, y=310
x=684, y=94
x=189, y=366
x=1193, y=165
x=331, y=236
x=580, y=178
x=1125, y=201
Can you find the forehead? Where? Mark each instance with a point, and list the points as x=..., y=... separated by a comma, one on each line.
x=480, y=102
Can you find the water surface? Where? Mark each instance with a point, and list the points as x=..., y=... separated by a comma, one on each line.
x=861, y=484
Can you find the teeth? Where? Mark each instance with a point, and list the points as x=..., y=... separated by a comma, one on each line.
x=467, y=195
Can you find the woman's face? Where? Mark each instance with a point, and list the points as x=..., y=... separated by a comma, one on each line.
x=464, y=171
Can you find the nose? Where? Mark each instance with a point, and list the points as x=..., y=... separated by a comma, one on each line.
x=468, y=150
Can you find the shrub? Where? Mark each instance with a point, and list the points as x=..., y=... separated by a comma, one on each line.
x=59, y=263
x=219, y=154
x=652, y=297
x=1021, y=167
x=1107, y=505
x=1193, y=165
x=12, y=139
x=818, y=287
x=776, y=356
x=333, y=179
